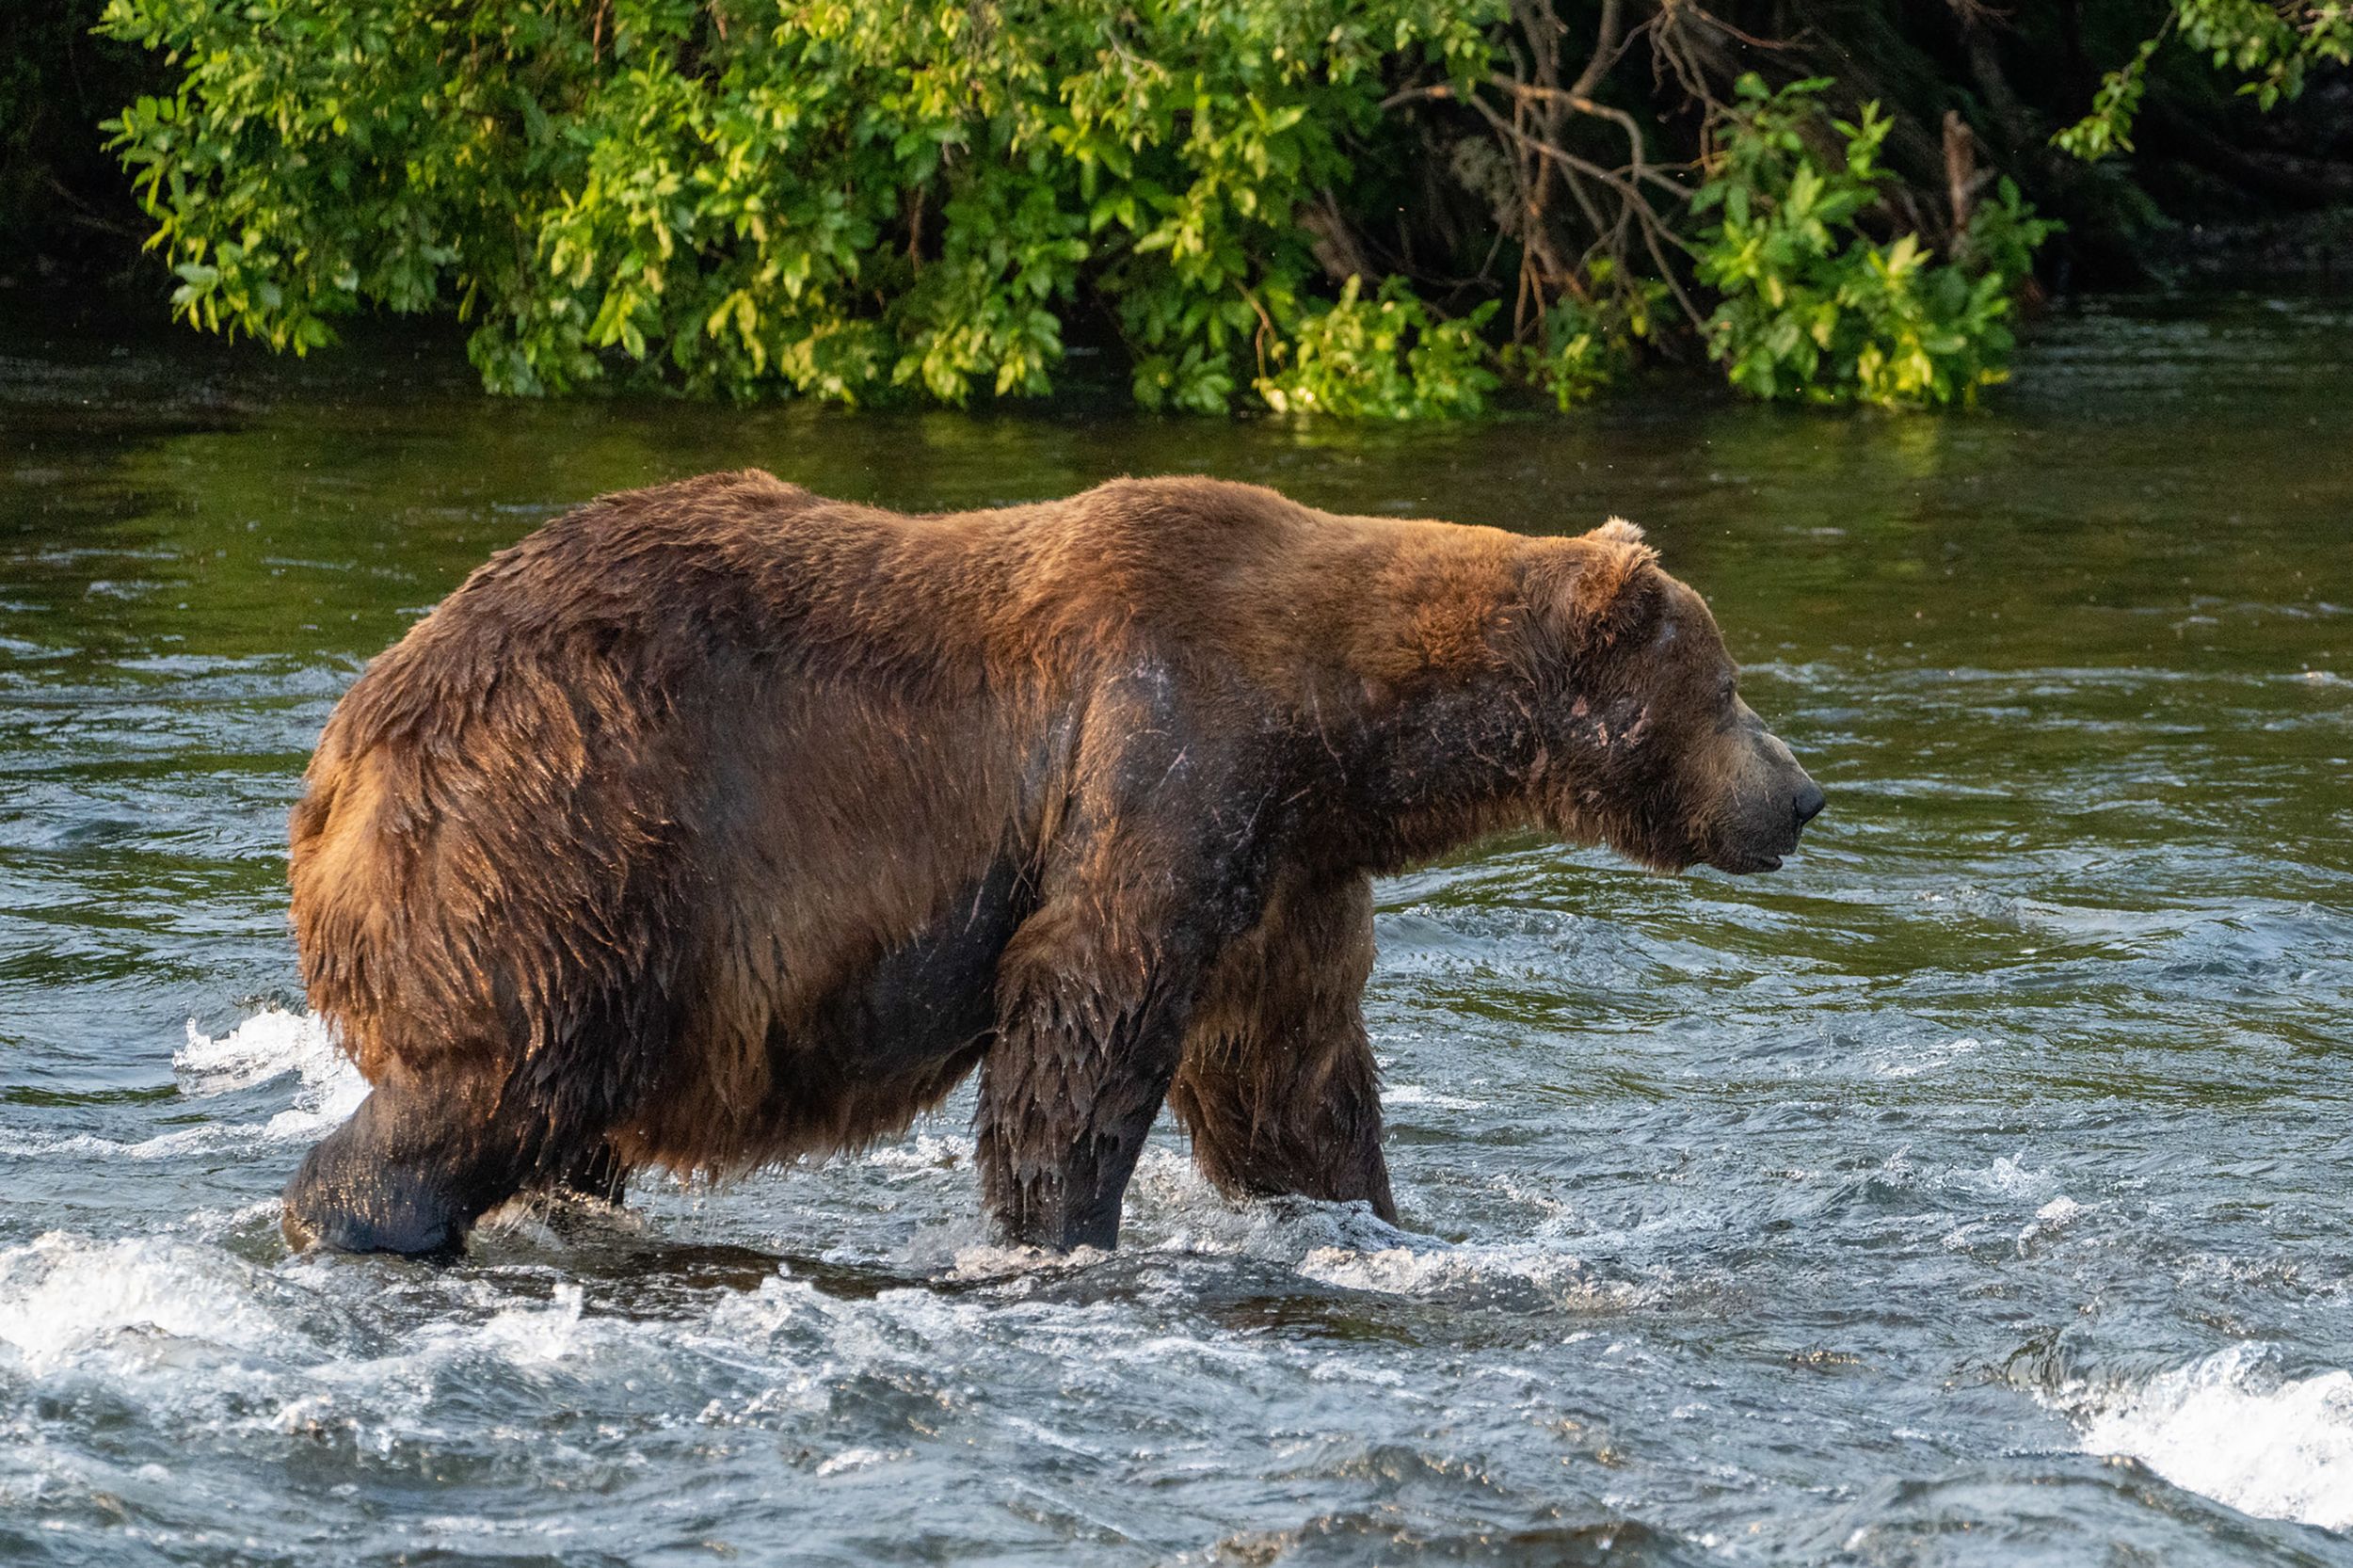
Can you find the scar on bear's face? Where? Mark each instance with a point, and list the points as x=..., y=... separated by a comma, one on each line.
x=1594, y=729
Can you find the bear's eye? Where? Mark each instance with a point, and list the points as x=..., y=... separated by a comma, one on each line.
x=1725, y=689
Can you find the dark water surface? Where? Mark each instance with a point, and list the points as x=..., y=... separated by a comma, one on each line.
x=1973, y=1191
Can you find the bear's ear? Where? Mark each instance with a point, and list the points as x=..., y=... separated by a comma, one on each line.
x=1614, y=574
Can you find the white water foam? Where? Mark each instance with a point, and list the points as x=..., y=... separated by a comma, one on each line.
x=923, y=1152
x=272, y=1042
x=1415, y=1094
x=2233, y=1429
x=1919, y=1060
x=528, y=1335
x=1172, y=1211
x=2049, y=1221
x=198, y=1336
x=62, y=1296
x=268, y=1044
x=1349, y=1246
x=1445, y=1268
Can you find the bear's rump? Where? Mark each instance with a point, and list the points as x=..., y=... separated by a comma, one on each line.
x=758, y=914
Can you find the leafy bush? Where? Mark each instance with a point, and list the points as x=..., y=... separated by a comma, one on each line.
x=2271, y=44
x=1588, y=341
x=854, y=200
x=1812, y=306
x=833, y=196
x=1385, y=358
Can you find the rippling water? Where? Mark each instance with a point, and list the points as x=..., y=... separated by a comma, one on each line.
x=1973, y=1191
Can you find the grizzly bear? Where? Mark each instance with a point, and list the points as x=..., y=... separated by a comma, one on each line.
x=718, y=823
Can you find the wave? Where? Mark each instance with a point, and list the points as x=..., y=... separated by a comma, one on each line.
x=63, y=1296
x=269, y=1045
x=2234, y=1428
x=1172, y=1211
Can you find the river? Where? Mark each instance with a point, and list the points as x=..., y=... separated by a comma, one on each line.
x=1976, y=1190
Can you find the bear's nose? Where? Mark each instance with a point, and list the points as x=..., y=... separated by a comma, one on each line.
x=1809, y=803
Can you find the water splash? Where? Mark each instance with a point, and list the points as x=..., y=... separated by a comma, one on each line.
x=2234, y=1428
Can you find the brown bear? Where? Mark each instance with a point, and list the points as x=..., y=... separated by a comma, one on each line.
x=718, y=823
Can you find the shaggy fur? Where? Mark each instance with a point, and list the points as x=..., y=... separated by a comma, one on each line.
x=719, y=823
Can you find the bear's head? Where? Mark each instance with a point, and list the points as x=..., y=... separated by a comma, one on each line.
x=1644, y=743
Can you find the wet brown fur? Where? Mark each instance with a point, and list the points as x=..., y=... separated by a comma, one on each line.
x=719, y=823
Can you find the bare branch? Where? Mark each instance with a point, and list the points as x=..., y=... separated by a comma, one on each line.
x=1654, y=229
x=1607, y=48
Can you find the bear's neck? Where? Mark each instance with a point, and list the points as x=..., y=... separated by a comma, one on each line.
x=1436, y=767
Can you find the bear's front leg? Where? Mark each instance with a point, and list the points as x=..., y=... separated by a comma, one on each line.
x=1087, y=1040
x=1151, y=865
x=1277, y=1086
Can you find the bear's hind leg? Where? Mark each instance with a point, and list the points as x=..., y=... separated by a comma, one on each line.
x=409, y=1172
x=1278, y=1087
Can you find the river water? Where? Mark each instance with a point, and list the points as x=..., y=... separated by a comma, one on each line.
x=1976, y=1190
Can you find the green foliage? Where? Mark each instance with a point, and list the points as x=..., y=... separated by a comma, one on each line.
x=1588, y=341
x=1383, y=358
x=2272, y=45
x=861, y=199
x=2109, y=125
x=1812, y=306
x=745, y=195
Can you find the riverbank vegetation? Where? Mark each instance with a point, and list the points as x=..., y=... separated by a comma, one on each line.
x=1376, y=208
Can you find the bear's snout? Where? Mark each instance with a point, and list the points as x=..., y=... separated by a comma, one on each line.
x=1772, y=801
